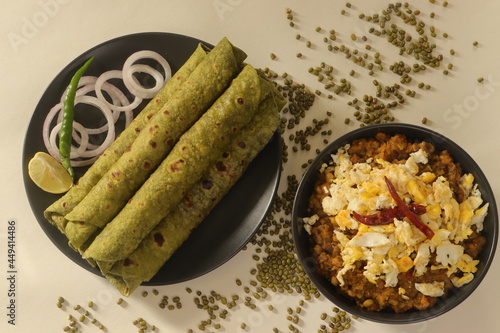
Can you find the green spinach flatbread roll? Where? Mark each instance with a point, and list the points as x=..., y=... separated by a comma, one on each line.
x=205, y=84
x=55, y=213
x=143, y=263
x=196, y=151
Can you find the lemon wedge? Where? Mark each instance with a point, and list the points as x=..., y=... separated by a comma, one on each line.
x=48, y=174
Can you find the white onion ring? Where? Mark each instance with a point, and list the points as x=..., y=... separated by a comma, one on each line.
x=83, y=150
x=86, y=85
x=136, y=89
x=84, y=81
x=46, y=130
x=129, y=69
x=50, y=136
x=115, y=92
x=114, y=74
x=85, y=153
x=75, y=151
x=110, y=136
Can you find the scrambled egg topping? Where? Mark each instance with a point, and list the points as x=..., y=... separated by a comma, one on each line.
x=399, y=246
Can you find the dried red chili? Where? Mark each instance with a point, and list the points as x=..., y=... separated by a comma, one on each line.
x=387, y=216
x=407, y=212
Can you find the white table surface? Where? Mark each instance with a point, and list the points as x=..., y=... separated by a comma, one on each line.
x=38, y=38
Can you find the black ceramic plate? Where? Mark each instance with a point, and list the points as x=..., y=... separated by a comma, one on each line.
x=303, y=244
x=229, y=226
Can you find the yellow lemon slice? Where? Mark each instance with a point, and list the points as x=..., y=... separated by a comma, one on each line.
x=48, y=174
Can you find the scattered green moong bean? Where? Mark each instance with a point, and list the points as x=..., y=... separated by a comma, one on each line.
x=275, y=269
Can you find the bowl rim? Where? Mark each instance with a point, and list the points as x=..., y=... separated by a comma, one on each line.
x=302, y=243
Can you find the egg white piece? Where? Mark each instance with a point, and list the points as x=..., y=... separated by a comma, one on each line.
x=399, y=246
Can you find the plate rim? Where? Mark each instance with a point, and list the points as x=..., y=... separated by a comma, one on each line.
x=298, y=234
x=52, y=232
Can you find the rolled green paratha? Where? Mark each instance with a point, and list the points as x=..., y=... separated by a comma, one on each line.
x=144, y=262
x=191, y=157
x=55, y=213
x=195, y=95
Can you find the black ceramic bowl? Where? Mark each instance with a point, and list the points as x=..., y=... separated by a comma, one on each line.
x=303, y=244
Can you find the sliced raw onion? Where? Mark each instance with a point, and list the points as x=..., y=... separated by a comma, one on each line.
x=86, y=85
x=75, y=151
x=129, y=68
x=137, y=89
x=106, y=76
x=110, y=136
x=83, y=152
x=46, y=130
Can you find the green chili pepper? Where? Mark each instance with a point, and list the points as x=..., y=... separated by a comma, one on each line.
x=66, y=132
